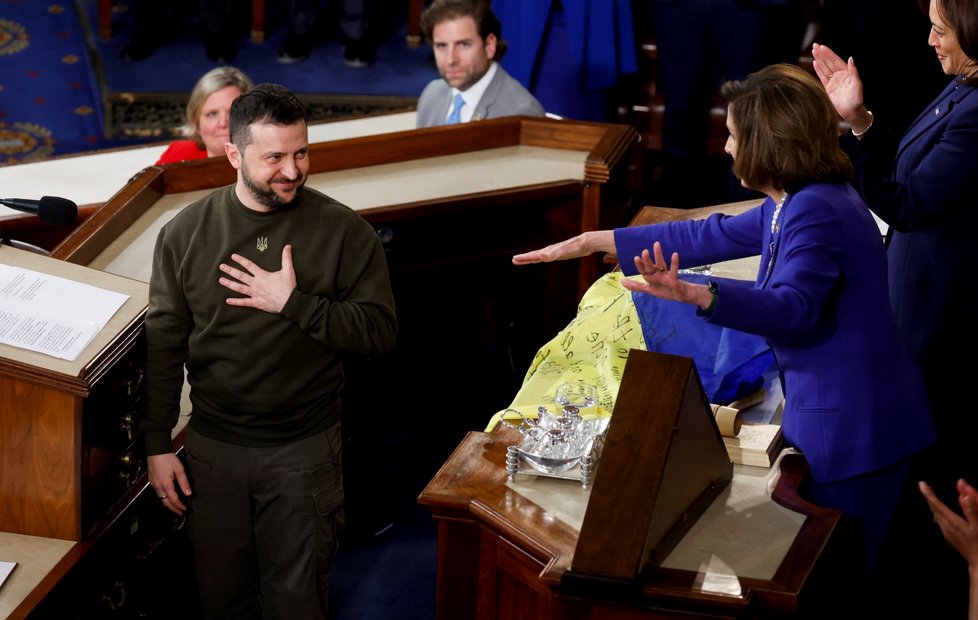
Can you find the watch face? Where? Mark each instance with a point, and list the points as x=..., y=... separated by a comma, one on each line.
x=714, y=287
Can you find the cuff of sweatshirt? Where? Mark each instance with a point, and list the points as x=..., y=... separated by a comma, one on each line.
x=158, y=442
x=296, y=307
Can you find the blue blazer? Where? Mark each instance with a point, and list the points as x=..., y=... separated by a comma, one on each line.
x=503, y=97
x=926, y=188
x=854, y=401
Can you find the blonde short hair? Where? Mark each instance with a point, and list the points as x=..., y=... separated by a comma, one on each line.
x=208, y=84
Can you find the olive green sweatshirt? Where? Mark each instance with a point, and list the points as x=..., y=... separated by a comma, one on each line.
x=258, y=378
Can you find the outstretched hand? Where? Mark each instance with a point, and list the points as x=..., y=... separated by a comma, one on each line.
x=582, y=245
x=841, y=81
x=264, y=290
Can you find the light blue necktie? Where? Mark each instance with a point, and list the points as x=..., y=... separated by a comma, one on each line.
x=456, y=116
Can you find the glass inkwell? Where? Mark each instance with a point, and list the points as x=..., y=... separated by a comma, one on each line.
x=562, y=444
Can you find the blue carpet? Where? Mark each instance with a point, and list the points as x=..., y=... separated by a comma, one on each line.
x=388, y=576
x=50, y=100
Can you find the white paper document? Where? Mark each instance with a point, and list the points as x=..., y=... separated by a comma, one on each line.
x=52, y=315
x=5, y=569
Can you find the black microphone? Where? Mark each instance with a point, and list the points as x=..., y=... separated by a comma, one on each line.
x=49, y=209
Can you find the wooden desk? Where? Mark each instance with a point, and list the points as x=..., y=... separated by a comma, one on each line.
x=90, y=179
x=114, y=572
x=443, y=194
x=501, y=554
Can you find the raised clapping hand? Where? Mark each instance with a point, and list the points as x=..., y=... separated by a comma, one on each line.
x=960, y=531
x=264, y=290
x=841, y=81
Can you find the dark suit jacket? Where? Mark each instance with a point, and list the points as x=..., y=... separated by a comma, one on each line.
x=926, y=188
x=854, y=401
x=503, y=97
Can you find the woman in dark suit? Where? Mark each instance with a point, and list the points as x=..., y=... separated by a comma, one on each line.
x=854, y=402
x=924, y=185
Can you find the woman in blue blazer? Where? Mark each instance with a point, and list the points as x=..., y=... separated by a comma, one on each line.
x=924, y=185
x=854, y=401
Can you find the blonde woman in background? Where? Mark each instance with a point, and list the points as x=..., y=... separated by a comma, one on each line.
x=206, y=122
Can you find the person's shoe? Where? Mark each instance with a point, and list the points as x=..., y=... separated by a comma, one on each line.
x=138, y=49
x=295, y=49
x=359, y=54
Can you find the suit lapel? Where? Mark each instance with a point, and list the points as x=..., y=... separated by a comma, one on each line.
x=489, y=96
x=934, y=113
x=444, y=104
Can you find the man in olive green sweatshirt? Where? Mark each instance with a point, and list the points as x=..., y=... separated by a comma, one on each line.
x=258, y=290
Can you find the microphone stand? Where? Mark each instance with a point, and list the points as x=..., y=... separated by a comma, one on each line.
x=21, y=245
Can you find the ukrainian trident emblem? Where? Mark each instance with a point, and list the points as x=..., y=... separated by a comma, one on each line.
x=262, y=244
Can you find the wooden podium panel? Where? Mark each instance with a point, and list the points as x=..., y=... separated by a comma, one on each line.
x=664, y=463
x=58, y=440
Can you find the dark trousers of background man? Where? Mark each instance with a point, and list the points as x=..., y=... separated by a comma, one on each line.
x=357, y=24
x=701, y=44
x=355, y=17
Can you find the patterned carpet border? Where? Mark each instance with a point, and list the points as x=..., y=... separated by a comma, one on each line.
x=158, y=115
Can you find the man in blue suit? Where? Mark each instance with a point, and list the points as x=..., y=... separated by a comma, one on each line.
x=466, y=38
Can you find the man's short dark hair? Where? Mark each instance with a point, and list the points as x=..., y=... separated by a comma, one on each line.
x=265, y=103
x=486, y=22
